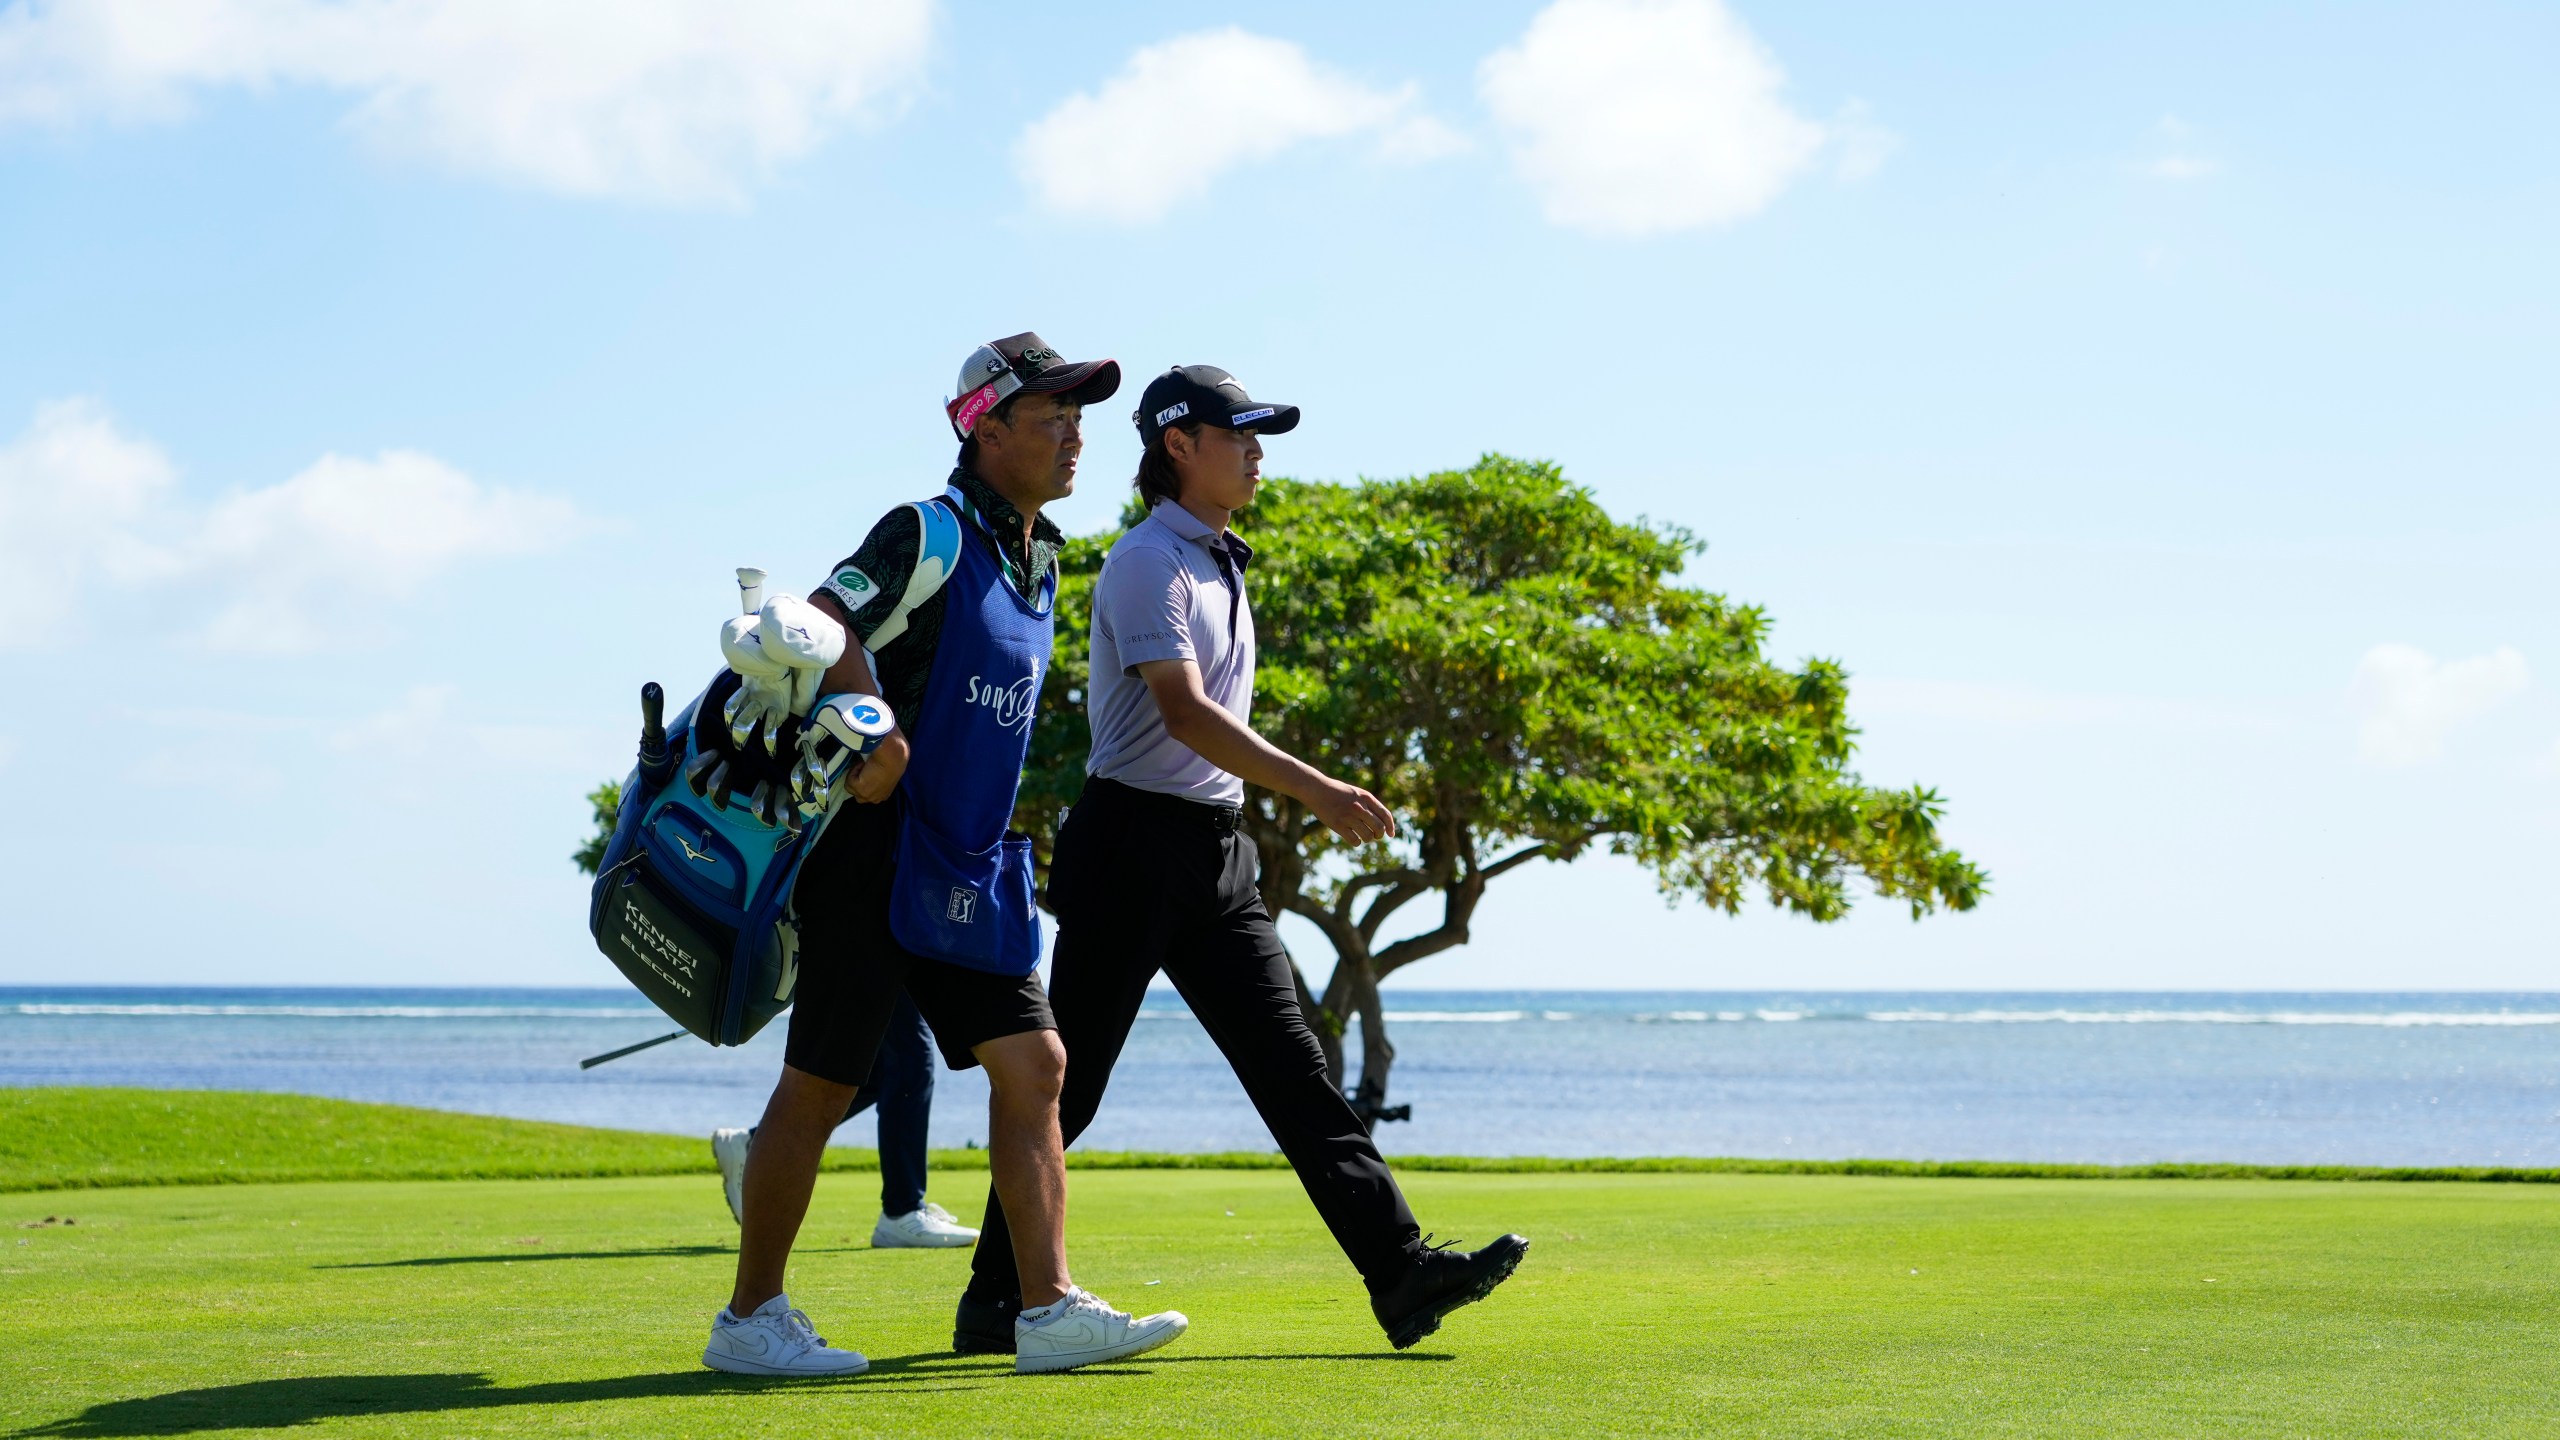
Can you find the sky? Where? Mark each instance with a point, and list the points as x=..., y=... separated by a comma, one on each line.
x=2152, y=407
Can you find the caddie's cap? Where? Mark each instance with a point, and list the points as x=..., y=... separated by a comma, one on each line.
x=1211, y=396
x=1020, y=363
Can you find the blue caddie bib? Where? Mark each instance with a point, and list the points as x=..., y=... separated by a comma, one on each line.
x=962, y=889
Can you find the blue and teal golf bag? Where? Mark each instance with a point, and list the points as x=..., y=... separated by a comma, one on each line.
x=693, y=900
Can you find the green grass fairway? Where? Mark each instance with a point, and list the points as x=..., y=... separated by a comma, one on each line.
x=1735, y=1304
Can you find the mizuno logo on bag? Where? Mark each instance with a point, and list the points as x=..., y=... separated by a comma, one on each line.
x=692, y=854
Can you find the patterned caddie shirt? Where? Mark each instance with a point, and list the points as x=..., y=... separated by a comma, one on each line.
x=868, y=582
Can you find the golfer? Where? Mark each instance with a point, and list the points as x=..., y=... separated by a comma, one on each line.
x=919, y=887
x=1151, y=872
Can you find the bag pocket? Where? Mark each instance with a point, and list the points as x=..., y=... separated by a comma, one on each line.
x=969, y=908
x=669, y=950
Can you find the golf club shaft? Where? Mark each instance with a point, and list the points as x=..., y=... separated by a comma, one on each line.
x=593, y=1061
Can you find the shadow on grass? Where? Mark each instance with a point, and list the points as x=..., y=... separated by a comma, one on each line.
x=305, y=1400
x=279, y=1404
x=529, y=1256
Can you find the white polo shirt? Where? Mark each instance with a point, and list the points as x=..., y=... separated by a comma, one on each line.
x=1161, y=597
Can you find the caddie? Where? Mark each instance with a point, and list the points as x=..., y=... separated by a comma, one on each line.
x=919, y=886
x=1152, y=871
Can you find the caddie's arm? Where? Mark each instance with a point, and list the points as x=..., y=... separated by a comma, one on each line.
x=1218, y=737
x=877, y=773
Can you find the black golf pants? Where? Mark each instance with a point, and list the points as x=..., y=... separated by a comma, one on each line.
x=1143, y=882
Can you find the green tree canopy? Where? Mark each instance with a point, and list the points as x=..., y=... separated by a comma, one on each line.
x=1520, y=677
x=605, y=801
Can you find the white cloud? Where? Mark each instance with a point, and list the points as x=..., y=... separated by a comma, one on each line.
x=86, y=509
x=2176, y=156
x=2408, y=701
x=1859, y=146
x=75, y=498
x=1638, y=117
x=1182, y=112
x=670, y=100
x=371, y=528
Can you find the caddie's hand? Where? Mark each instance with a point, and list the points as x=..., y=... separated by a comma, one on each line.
x=878, y=774
x=1354, y=813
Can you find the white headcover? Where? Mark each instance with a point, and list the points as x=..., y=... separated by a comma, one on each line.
x=799, y=634
x=781, y=655
x=743, y=648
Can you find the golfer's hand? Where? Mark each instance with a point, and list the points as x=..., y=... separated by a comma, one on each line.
x=878, y=771
x=1353, y=813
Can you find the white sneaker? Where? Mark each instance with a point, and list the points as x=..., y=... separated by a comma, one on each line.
x=928, y=1228
x=776, y=1340
x=1083, y=1329
x=729, y=1150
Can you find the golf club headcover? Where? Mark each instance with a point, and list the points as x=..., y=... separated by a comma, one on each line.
x=742, y=649
x=799, y=634
x=841, y=729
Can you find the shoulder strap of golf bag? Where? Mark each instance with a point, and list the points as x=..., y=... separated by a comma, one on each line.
x=937, y=555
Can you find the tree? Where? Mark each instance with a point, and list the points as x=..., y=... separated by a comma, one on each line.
x=606, y=801
x=1520, y=678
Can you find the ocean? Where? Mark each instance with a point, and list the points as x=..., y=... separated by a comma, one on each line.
x=2376, y=1079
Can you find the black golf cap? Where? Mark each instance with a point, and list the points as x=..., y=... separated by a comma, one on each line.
x=1211, y=396
x=1024, y=364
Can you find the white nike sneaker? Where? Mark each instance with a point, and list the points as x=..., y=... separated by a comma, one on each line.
x=1083, y=1329
x=928, y=1228
x=729, y=1150
x=776, y=1340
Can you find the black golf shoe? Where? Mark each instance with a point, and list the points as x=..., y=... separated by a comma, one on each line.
x=985, y=1327
x=1440, y=1281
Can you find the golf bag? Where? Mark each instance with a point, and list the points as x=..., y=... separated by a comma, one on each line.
x=693, y=900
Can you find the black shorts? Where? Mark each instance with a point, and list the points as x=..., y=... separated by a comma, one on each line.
x=852, y=968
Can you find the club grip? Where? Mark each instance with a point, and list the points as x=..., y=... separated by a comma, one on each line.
x=654, y=762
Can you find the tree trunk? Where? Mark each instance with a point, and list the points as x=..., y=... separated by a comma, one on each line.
x=1354, y=991
x=1377, y=1056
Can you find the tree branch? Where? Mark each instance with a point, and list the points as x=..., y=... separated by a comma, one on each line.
x=1344, y=935
x=1351, y=889
x=1388, y=904
x=1452, y=931
x=1516, y=859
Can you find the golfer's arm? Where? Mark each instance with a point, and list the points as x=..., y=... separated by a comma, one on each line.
x=1192, y=718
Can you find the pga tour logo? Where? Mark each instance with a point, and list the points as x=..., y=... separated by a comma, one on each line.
x=1012, y=703
x=964, y=906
